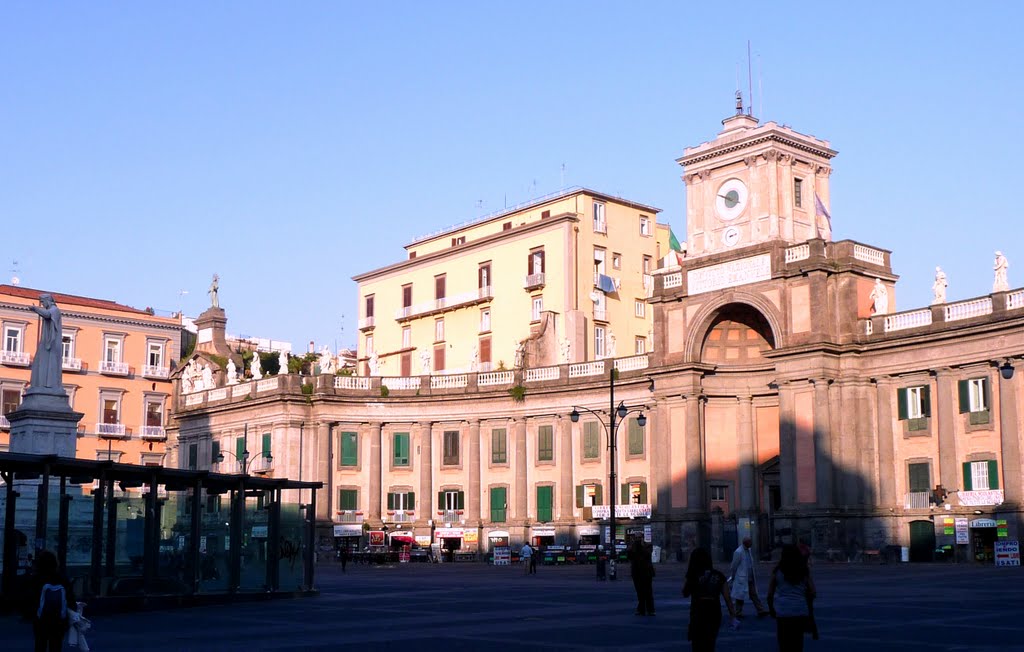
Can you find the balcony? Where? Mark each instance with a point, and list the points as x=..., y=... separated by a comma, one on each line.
x=401, y=516
x=349, y=516
x=4, y=423
x=446, y=304
x=153, y=433
x=367, y=323
x=71, y=364
x=112, y=431
x=112, y=368
x=15, y=358
x=600, y=314
x=155, y=371
x=533, y=282
x=917, y=500
x=450, y=515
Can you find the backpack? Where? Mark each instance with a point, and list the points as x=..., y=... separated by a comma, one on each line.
x=53, y=604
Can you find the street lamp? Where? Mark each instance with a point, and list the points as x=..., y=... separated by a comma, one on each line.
x=1006, y=370
x=621, y=412
x=244, y=460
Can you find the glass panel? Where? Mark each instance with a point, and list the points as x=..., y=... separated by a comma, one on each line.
x=154, y=414
x=214, y=544
x=110, y=411
x=292, y=544
x=254, y=545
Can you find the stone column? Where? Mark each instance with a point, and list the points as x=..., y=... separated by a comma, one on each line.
x=1009, y=440
x=886, y=445
x=375, y=471
x=787, y=446
x=865, y=445
x=944, y=407
x=745, y=439
x=694, y=456
x=822, y=443
x=325, y=470
x=520, y=488
x=473, y=502
x=660, y=491
x=565, y=466
x=425, y=504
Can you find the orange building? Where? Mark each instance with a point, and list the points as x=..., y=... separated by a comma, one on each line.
x=117, y=365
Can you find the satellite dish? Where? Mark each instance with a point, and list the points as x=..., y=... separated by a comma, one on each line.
x=595, y=297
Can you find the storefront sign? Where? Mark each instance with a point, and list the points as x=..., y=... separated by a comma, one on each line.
x=348, y=530
x=981, y=498
x=1001, y=529
x=983, y=522
x=622, y=511
x=448, y=533
x=423, y=539
x=376, y=537
x=202, y=544
x=259, y=532
x=947, y=525
x=1007, y=553
x=588, y=531
x=730, y=274
x=961, y=531
x=542, y=531
x=647, y=534
x=470, y=536
x=502, y=556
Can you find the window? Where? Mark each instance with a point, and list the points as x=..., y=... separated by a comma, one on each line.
x=151, y=459
x=485, y=320
x=645, y=225
x=214, y=451
x=461, y=240
x=439, y=357
x=348, y=499
x=499, y=503
x=12, y=339
x=634, y=493
x=369, y=307
x=154, y=413
x=213, y=504
x=400, y=449
x=451, y=447
x=545, y=215
x=349, y=449
x=798, y=192
x=599, y=223
x=546, y=443
x=402, y=501
x=485, y=352
x=111, y=410
x=405, y=364
x=974, y=397
x=919, y=477
x=647, y=264
x=537, y=308
x=154, y=354
x=112, y=349
x=439, y=330
x=545, y=497
x=483, y=276
x=267, y=440
x=981, y=476
x=717, y=492
x=240, y=449
x=914, y=406
x=535, y=262
x=369, y=345
x=640, y=345
x=591, y=440
x=616, y=261
x=68, y=345
x=599, y=260
x=439, y=287
x=193, y=456
x=507, y=226
x=599, y=341
x=407, y=296
x=115, y=456
x=10, y=399
x=499, y=446
x=406, y=337
x=412, y=254
x=588, y=495
x=636, y=437
x=639, y=308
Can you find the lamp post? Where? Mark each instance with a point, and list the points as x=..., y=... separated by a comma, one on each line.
x=621, y=411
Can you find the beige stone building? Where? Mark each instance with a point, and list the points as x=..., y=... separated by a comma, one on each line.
x=785, y=397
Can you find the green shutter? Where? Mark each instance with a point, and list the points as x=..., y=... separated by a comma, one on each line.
x=599, y=495
x=400, y=449
x=901, y=403
x=926, y=402
x=579, y=495
x=918, y=477
x=193, y=456
x=440, y=501
x=624, y=494
x=391, y=500
x=544, y=504
x=349, y=449
x=987, y=392
x=967, y=476
x=643, y=493
x=636, y=437
x=993, y=474
x=214, y=451
x=545, y=443
x=460, y=500
x=498, y=504
x=498, y=446
x=349, y=499
x=266, y=443
x=239, y=447
x=963, y=390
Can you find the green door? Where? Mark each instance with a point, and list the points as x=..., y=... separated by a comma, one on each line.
x=922, y=540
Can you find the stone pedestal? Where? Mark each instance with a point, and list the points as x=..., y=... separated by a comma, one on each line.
x=45, y=424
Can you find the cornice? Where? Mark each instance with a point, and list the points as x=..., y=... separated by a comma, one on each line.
x=717, y=152
x=109, y=319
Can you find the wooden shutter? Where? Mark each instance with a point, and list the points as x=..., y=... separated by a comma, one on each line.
x=460, y=500
x=193, y=456
x=406, y=296
x=625, y=494
x=214, y=451
x=993, y=474
x=579, y=495
x=541, y=253
x=636, y=437
x=485, y=349
x=349, y=449
x=239, y=447
x=901, y=403
x=266, y=443
x=410, y=500
x=919, y=480
x=926, y=403
x=967, y=477
x=439, y=287
x=369, y=306
x=529, y=263
x=643, y=493
x=986, y=392
x=963, y=388
x=439, y=358
x=406, y=364
x=440, y=501
x=391, y=501
x=599, y=495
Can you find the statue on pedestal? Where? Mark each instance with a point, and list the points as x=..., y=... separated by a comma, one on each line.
x=880, y=298
x=374, y=363
x=565, y=351
x=232, y=373
x=282, y=362
x=939, y=287
x=326, y=361
x=208, y=377
x=1001, y=283
x=425, y=362
x=611, y=344
x=48, y=363
x=214, y=288
x=257, y=373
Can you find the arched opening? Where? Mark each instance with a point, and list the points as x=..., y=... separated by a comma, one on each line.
x=739, y=334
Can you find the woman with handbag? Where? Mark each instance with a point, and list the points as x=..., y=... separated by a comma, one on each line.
x=790, y=594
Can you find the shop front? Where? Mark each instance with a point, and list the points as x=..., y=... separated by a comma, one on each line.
x=498, y=547
x=588, y=539
x=542, y=536
x=449, y=541
x=983, y=540
x=347, y=537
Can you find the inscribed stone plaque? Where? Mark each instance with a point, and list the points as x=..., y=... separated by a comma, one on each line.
x=730, y=274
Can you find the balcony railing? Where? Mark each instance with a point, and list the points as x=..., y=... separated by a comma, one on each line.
x=904, y=320
x=153, y=433
x=673, y=280
x=71, y=364
x=797, y=253
x=584, y=369
x=472, y=297
x=402, y=382
x=917, y=500
x=4, y=423
x=539, y=374
x=15, y=358
x=495, y=378
x=968, y=309
x=401, y=516
x=450, y=515
x=349, y=516
x=868, y=255
x=155, y=371
x=112, y=368
x=633, y=363
x=367, y=322
x=112, y=430
x=533, y=281
x=449, y=382
x=351, y=382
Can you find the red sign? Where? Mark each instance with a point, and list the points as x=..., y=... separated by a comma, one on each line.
x=376, y=537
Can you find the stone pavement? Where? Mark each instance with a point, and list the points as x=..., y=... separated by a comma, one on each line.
x=476, y=607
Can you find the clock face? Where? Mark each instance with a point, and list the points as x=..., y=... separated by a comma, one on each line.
x=731, y=199
x=730, y=236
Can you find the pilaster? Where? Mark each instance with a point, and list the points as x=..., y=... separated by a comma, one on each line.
x=375, y=472
x=473, y=499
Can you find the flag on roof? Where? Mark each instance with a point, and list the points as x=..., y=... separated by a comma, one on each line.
x=821, y=211
x=673, y=243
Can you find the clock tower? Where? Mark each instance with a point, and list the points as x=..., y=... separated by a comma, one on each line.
x=754, y=183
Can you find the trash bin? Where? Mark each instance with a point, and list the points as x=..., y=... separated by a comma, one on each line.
x=904, y=553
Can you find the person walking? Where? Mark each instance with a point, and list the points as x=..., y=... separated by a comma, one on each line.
x=343, y=557
x=602, y=564
x=533, y=561
x=790, y=594
x=526, y=555
x=744, y=579
x=706, y=587
x=53, y=600
x=642, y=570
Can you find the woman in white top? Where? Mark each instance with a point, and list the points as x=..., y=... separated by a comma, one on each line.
x=790, y=593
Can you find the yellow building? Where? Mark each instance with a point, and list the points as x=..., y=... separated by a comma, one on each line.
x=117, y=364
x=564, y=278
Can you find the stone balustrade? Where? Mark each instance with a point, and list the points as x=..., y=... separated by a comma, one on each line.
x=798, y=253
x=904, y=320
x=968, y=309
x=994, y=307
x=869, y=255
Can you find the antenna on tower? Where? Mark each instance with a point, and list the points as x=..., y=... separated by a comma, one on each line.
x=750, y=83
x=181, y=294
x=15, y=279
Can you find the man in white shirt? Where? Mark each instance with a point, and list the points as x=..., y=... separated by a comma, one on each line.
x=525, y=555
x=744, y=581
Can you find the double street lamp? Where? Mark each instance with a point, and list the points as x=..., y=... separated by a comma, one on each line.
x=621, y=412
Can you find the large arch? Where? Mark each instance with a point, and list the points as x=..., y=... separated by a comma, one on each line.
x=733, y=302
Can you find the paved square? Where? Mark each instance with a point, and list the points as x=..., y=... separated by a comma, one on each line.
x=477, y=607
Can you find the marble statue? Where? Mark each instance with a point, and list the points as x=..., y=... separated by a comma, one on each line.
x=474, y=360
x=282, y=363
x=208, y=377
x=520, y=354
x=425, y=362
x=880, y=298
x=48, y=363
x=1001, y=283
x=326, y=361
x=939, y=287
x=565, y=349
x=374, y=363
x=214, y=288
x=187, y=386
x=232, y=373
x=257, y=373
x=611, y=344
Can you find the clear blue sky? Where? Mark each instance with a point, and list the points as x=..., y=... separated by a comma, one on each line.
x=288, y=146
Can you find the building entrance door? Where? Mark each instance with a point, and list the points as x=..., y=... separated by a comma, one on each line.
x=922, y=541
x=983, y=544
